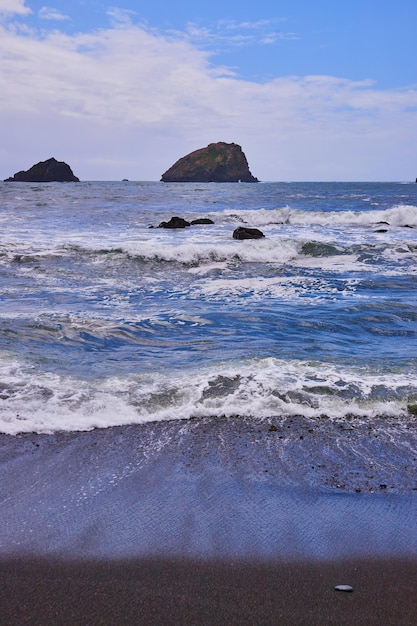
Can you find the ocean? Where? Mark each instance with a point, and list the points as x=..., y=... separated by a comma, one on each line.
x=108, y=320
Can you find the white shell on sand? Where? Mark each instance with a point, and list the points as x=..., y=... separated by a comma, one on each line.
x=343, y=588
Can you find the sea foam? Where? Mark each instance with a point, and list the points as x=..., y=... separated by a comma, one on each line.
x=33, y=401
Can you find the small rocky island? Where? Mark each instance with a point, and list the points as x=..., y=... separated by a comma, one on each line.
x=217, y=163
x=49, y=171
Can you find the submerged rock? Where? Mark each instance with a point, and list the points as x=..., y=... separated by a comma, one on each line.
x=49, y=171
x=218, y=163
x=242, y=232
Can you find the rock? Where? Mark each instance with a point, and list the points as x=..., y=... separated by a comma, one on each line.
x=343, y=588
x=218, y=163
x=174, y=222
x=242, y=232
x=412, y=408
x=179, y=222
x=202, y=220
x=46, y=172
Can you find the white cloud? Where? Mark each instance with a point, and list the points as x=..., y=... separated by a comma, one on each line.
x=256, y=25
x=127, y=102
x=121, y=16
x=229, y=33
x=16, y=7
x=48, y=13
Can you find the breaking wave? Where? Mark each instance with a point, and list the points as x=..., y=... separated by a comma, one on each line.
x=33, y=401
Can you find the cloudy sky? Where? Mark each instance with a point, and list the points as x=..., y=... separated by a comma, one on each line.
x=311, y=90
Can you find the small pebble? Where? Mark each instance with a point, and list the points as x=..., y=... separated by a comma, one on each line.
x=343, y=588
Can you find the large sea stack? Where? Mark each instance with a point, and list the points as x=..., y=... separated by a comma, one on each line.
x=218, y=163
x=49, y=171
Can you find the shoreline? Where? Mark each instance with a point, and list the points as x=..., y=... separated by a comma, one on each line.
x=213, y=488
x=211, y=521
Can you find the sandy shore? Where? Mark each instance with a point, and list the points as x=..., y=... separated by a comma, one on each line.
x=210, y=521
x=199, y=592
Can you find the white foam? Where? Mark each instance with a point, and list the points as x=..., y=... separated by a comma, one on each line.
x=399, y=215
x=44, y=402
x=310, y=289
x=218, y=250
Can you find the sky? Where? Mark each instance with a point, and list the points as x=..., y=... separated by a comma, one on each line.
x=313, y=90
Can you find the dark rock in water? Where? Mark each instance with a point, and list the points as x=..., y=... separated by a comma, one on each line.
x=202, y=220
x=49, y=171
x=179, y=222
x=412, y=408
x=242, y=232
x=318, y=249
x=218, y=163
x=381, y=230
x=174, y=222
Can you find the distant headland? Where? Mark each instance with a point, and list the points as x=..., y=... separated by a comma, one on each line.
x=217, y=163
x=48, y=171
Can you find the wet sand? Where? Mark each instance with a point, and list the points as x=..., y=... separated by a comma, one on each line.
x=200, y=592
x=208, y=521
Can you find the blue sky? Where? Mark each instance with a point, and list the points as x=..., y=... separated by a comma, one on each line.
x=323, y=90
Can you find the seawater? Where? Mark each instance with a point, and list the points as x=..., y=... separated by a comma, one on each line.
x=107, y=320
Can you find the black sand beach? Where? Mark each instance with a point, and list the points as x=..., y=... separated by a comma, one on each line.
x=211, y=521
x=200, y=592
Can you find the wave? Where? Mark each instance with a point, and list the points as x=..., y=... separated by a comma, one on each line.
x=142, y=251
x=152, y=260
x=33, y=401
x=291, y=236
x=399, y=215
